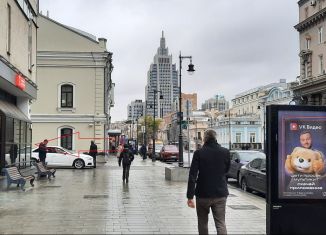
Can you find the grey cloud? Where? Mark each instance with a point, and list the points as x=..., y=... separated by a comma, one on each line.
x=236, y=45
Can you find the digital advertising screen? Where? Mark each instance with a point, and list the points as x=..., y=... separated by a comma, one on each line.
x=301, y=152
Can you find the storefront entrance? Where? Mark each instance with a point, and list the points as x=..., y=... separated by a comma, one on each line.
x=15, y=137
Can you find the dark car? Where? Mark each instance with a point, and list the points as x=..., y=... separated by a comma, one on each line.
x=240, y=158
x=253, y=176
x=169, y=152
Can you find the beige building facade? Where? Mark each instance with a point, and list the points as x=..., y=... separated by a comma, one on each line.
x=18, y=30
x=75, y=87
x=310, y=89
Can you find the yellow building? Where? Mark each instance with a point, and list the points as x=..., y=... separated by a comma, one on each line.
x=74, y=80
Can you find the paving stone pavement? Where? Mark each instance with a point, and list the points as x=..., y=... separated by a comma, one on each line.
x=96, y=201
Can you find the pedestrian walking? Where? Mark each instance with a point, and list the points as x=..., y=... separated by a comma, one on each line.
x=207, y=182
x=126, y=157
x=119, y=151
x=143, y=151
x=42, y=151
x=93, y=152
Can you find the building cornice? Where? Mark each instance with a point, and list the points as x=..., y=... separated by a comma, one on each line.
x=301, y=2
x=67, y=119
x=318, y=82
x=312, y=20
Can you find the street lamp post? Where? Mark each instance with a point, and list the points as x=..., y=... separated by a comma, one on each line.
x=145, y=123
x=190, y=70
x=262, y=107
x=229, y=130
x=136, y=134
x=161, y=97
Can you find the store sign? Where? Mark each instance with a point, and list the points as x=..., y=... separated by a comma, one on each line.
x=20, y=82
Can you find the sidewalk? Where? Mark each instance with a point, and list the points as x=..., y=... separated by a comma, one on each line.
x=95, y=201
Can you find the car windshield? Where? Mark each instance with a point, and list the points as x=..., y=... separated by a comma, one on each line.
x=171, y=148
x=249, y=156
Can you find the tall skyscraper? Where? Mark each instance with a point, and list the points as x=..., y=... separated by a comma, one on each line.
x=162, y=76
x=135, y=109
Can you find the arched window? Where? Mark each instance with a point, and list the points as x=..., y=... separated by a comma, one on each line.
x=66, y=96
x=66, y=138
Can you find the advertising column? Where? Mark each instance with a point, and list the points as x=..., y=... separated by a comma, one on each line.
x=296, y=176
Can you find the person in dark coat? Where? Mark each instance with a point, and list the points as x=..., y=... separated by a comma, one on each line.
x=42, y=151
x=143, y=151
x=207, y=181
x=126, y=157
x=93, y=152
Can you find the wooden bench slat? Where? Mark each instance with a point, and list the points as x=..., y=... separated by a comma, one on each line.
x=14, y=176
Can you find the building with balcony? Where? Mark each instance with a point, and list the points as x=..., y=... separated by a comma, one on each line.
x=18, y=30
x=250, y=106
x=239, y=132
x=310, y=89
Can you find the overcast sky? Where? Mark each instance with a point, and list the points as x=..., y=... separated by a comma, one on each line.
x=236, y=44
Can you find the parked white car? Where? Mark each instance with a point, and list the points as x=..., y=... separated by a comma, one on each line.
x=60, y=157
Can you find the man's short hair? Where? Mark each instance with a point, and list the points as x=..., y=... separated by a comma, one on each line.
x=305, y=132
x=209, y=135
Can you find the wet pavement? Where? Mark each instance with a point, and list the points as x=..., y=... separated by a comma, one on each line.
x=96, y=201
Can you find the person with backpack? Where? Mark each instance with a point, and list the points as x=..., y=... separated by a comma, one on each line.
x=126, y=157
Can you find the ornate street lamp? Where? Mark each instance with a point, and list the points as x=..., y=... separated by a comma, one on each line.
x=154, y=131
x=191, y=70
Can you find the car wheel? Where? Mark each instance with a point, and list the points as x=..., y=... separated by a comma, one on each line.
x=79, y=164
x=244, y=185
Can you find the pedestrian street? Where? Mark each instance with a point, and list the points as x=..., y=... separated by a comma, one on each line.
x=96, y=201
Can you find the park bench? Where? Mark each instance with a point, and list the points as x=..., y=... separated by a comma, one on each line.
x=41, y=170
x=14, y=176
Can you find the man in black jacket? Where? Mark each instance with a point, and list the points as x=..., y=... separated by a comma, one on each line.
x=126, y=157
x=93, y=152
x=208, y=182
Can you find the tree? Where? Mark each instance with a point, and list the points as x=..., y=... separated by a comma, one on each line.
x=149, y=121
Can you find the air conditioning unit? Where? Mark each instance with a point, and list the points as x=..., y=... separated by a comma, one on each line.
x=313, y=3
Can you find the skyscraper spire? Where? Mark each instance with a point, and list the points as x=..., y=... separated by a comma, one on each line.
x=162, y=43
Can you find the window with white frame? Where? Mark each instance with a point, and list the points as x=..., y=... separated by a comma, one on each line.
x=308, y=40
x=238, y=137
x=30, y=55
x=8, y=41
x=66, y=138
x=252, y=137
x=321, y=64
x=67, y=96
x=320, y=34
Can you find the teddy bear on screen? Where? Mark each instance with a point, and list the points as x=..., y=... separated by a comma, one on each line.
x=305, y=161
